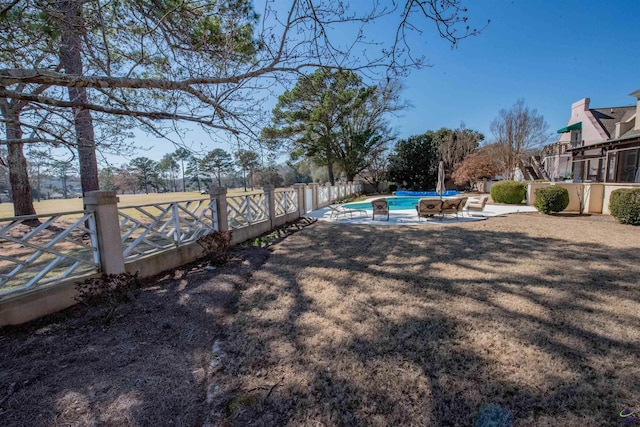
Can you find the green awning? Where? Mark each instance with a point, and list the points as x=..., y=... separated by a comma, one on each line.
x=575, y=126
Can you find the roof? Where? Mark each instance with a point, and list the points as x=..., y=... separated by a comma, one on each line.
x=608, y=117
x=633, y=136
x=633, y=133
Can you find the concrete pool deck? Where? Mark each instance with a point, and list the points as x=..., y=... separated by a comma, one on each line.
x=409, y=217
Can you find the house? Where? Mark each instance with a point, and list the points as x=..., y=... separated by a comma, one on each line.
x=597, y=145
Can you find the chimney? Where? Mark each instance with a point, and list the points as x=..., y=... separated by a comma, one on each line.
x=636, y=94
x=579, y=107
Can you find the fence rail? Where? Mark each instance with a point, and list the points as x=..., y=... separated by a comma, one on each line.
x=323, y=195
x=155, y=227
x=246, y=210
x=62, y=246
x=286, y=201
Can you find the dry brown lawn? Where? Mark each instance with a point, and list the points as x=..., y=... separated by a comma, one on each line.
x=357, y=325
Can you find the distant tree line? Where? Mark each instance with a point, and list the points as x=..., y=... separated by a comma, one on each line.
x=518, y=133
x=334, y=128
x=216, y=168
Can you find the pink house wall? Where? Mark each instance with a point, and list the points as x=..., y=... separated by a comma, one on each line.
x=592, y=133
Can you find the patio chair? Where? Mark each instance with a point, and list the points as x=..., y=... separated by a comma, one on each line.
x=476, y=205
x=428, y=208
x=380, y=207
x=337, y=210
x=450, y=207
x=463, y=203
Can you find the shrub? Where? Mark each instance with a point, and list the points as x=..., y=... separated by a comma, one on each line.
x=624, y=206
x=217, y=245
x=509, y=192
x=393, y=187
x=551, y=199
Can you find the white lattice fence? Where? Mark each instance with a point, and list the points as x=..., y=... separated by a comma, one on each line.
x=286, y=202
x=243, y=211
x=62, y=246
x=323, y=195
x=156, y=227
x=334, y=193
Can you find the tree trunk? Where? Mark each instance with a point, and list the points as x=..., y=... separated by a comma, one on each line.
x=72, y=26
x=332, y=179
x=64, y=186
x=184, y=186
x=38, y=181
x=18, y=175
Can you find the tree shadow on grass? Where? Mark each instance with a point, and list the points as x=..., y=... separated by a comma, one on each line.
x=441, y=323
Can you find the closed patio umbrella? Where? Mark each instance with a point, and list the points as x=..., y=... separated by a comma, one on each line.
x=440, y=186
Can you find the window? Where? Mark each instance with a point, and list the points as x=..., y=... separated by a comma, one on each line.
x=578, y=169
x=576, y=138
x=600, y=177
x=595, y=171
x=627, y=165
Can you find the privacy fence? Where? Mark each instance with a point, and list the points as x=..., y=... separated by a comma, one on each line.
x=43, y=256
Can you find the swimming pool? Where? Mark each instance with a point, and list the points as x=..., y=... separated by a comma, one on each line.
x=445, y=193
x=395, y=203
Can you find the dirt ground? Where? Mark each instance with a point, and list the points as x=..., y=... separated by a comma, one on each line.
x=536, y=318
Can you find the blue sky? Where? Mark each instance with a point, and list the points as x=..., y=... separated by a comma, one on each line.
x=549, y=52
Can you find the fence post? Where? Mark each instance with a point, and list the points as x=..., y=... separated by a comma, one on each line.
x=270, y=196
x=314, y=196
x=329, y=192
x=220, y=196
x=300, y=190
x=529, y=195
x=586, y=198
x=175, y=213
x=104, y=204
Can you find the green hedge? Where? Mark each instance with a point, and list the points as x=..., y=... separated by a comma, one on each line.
x=624, y=206
x=551, y=199
x=509, y=192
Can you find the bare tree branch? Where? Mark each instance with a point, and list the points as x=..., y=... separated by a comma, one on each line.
x=154, y=115
x=8, y=7
x=30, y=141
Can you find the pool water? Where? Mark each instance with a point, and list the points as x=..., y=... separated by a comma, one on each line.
x=395, y=203
x=445, y=193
